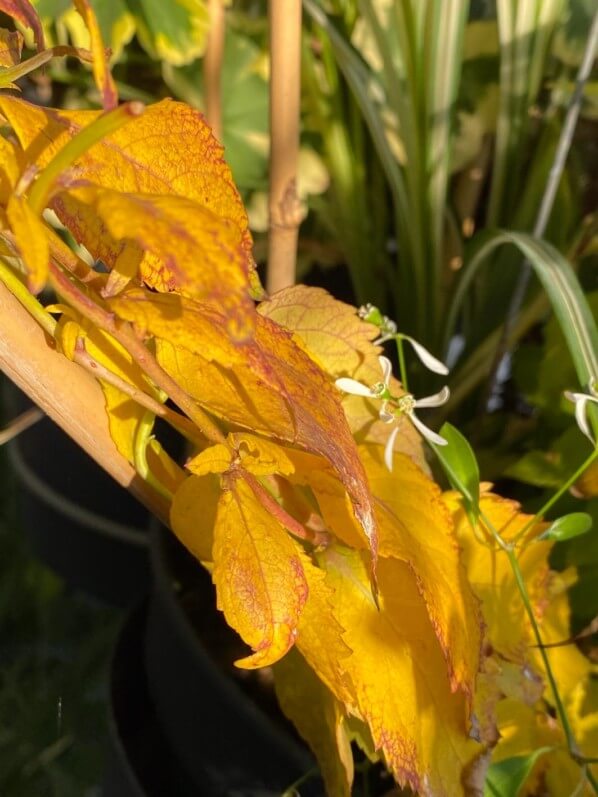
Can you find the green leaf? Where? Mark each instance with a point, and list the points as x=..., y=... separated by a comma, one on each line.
x=561, y=285
x=175, y=31
x=505, y=778
x=567, y=527
x=461, y=467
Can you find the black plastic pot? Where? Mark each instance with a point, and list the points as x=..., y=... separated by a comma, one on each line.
x=79, y=522
x=139, y=761
x=223, y=738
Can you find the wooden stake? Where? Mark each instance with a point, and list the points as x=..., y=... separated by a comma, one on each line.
x=212, y=67
x=285, y=92
x=67, y=393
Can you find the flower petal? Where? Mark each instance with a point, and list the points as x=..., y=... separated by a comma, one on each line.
x=437, y=400
x=580, y=400
x=384, y=415
x=428, y=359
x=389, y=448
x=431, y=436
x=353, y=386
x=386, y=366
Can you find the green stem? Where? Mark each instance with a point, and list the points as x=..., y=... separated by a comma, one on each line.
x=29, y=302
x=402, y=364
x=552, y=501
x=101, y=127
x=143, y=437
x=560, y=708
x=549, y=674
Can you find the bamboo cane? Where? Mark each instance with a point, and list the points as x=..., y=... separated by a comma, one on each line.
x=67, y=393
x=285, y=89
x=212, y=67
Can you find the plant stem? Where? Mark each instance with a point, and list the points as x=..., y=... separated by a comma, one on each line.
x=20, y=423
x=573, y=750
x=29, y=302
x=91, y=309
x=561, y=491
x=402, y=364
x=212, y=67
x=560, y=708
x=285, y=89
x=179, y=422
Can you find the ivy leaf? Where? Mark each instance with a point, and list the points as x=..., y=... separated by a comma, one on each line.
x=507, y=778
x=319, y=718
x=258, y=573
x=565, y=528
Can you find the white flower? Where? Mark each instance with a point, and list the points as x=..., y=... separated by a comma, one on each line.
x=403, y=405
x=431, y=363
x=379, y=390
x=581, y=414
x=406, y=405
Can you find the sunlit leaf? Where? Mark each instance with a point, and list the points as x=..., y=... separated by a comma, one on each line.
x=124, y=413
x=319, y=718
x=31, y=240
x=193, y=514
x=336, y=337
x=399, y=675
x=268, y=384
x=182, y=246
x=146, y=156
x=491, y=576
x=258, y=573
x=416, y=529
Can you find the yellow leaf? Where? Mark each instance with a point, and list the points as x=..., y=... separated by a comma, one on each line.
x=215, y=459
x=491, y=576
x=334, y=336
x=31, y=240
x=319, y=718
x=168, y=150
x=193, y=514
x=399, y=676
x=258, y=573
x=163, y=468
x=10, y=169
x=101, y=72
x=254, y=454
x=185, y=247
x=259, y=456
x=124, y=413
x=11, y=44
x=415, y=527
x=267, y=384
